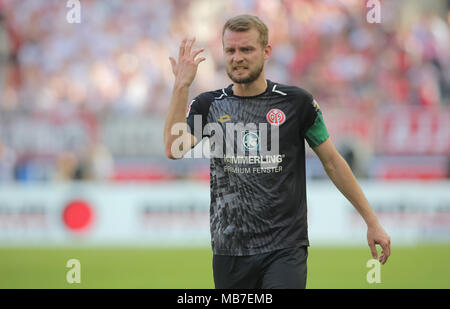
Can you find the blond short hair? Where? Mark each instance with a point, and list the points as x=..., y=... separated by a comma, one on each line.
x=246, y=22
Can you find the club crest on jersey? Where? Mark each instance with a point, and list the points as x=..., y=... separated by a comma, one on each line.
x=276, y=117
x=250, y=140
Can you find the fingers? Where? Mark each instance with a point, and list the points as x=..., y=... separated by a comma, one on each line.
x=373, y=249
x=200, y=60
x=185, y=58
x=173, y=62
x=185, y=49
x=196, y=52
x=182, y=48
x=189, y=44
x=386, y=252
x=383, y=258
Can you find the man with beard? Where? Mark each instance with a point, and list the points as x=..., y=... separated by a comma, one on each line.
x=258, y=211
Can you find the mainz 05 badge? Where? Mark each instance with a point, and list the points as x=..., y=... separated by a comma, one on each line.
x=276, y=117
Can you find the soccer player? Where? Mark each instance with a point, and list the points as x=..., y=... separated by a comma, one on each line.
x=258, y=212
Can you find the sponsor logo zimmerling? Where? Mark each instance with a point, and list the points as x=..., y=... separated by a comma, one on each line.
x=232, y=139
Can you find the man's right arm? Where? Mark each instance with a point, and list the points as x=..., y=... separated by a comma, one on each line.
x=177, y=145
x=177, y=140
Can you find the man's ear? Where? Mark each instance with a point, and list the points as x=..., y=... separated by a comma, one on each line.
x=267, y=51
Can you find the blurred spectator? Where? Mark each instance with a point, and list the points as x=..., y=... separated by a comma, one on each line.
x=4, y=52
x=69, y=168
x=95, y=165
x=100, y=163
x=116, y=60
x=7, y=163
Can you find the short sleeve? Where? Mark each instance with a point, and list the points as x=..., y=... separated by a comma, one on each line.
x=317, y=132
x=196, y=115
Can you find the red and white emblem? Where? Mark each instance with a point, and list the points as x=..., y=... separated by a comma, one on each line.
x=276, y=117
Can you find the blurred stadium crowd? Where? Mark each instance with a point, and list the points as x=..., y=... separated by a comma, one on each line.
x=114, y=65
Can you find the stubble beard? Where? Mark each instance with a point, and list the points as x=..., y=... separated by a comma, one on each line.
x=252, y=76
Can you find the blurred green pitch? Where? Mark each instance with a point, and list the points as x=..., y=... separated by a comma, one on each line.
x=328, y=267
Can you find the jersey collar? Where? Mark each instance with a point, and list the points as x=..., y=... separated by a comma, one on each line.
x=229, y=91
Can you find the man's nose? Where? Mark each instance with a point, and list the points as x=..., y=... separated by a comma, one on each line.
x=237, y=57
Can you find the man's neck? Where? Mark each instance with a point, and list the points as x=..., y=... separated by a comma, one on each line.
x=251, y=89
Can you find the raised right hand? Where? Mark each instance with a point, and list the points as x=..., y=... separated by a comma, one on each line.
x=186, y=67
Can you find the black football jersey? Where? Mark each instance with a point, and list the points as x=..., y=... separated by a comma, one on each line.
x=257, y=165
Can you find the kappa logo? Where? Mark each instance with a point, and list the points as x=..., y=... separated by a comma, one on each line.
x=224, y=118
x=276, y=117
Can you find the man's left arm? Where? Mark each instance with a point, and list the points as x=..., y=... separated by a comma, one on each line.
x=342, y=176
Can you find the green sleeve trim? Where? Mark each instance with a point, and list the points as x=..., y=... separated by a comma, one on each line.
x=317, y=133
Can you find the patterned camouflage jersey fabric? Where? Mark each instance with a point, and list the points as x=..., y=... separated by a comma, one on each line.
x=257, y=165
